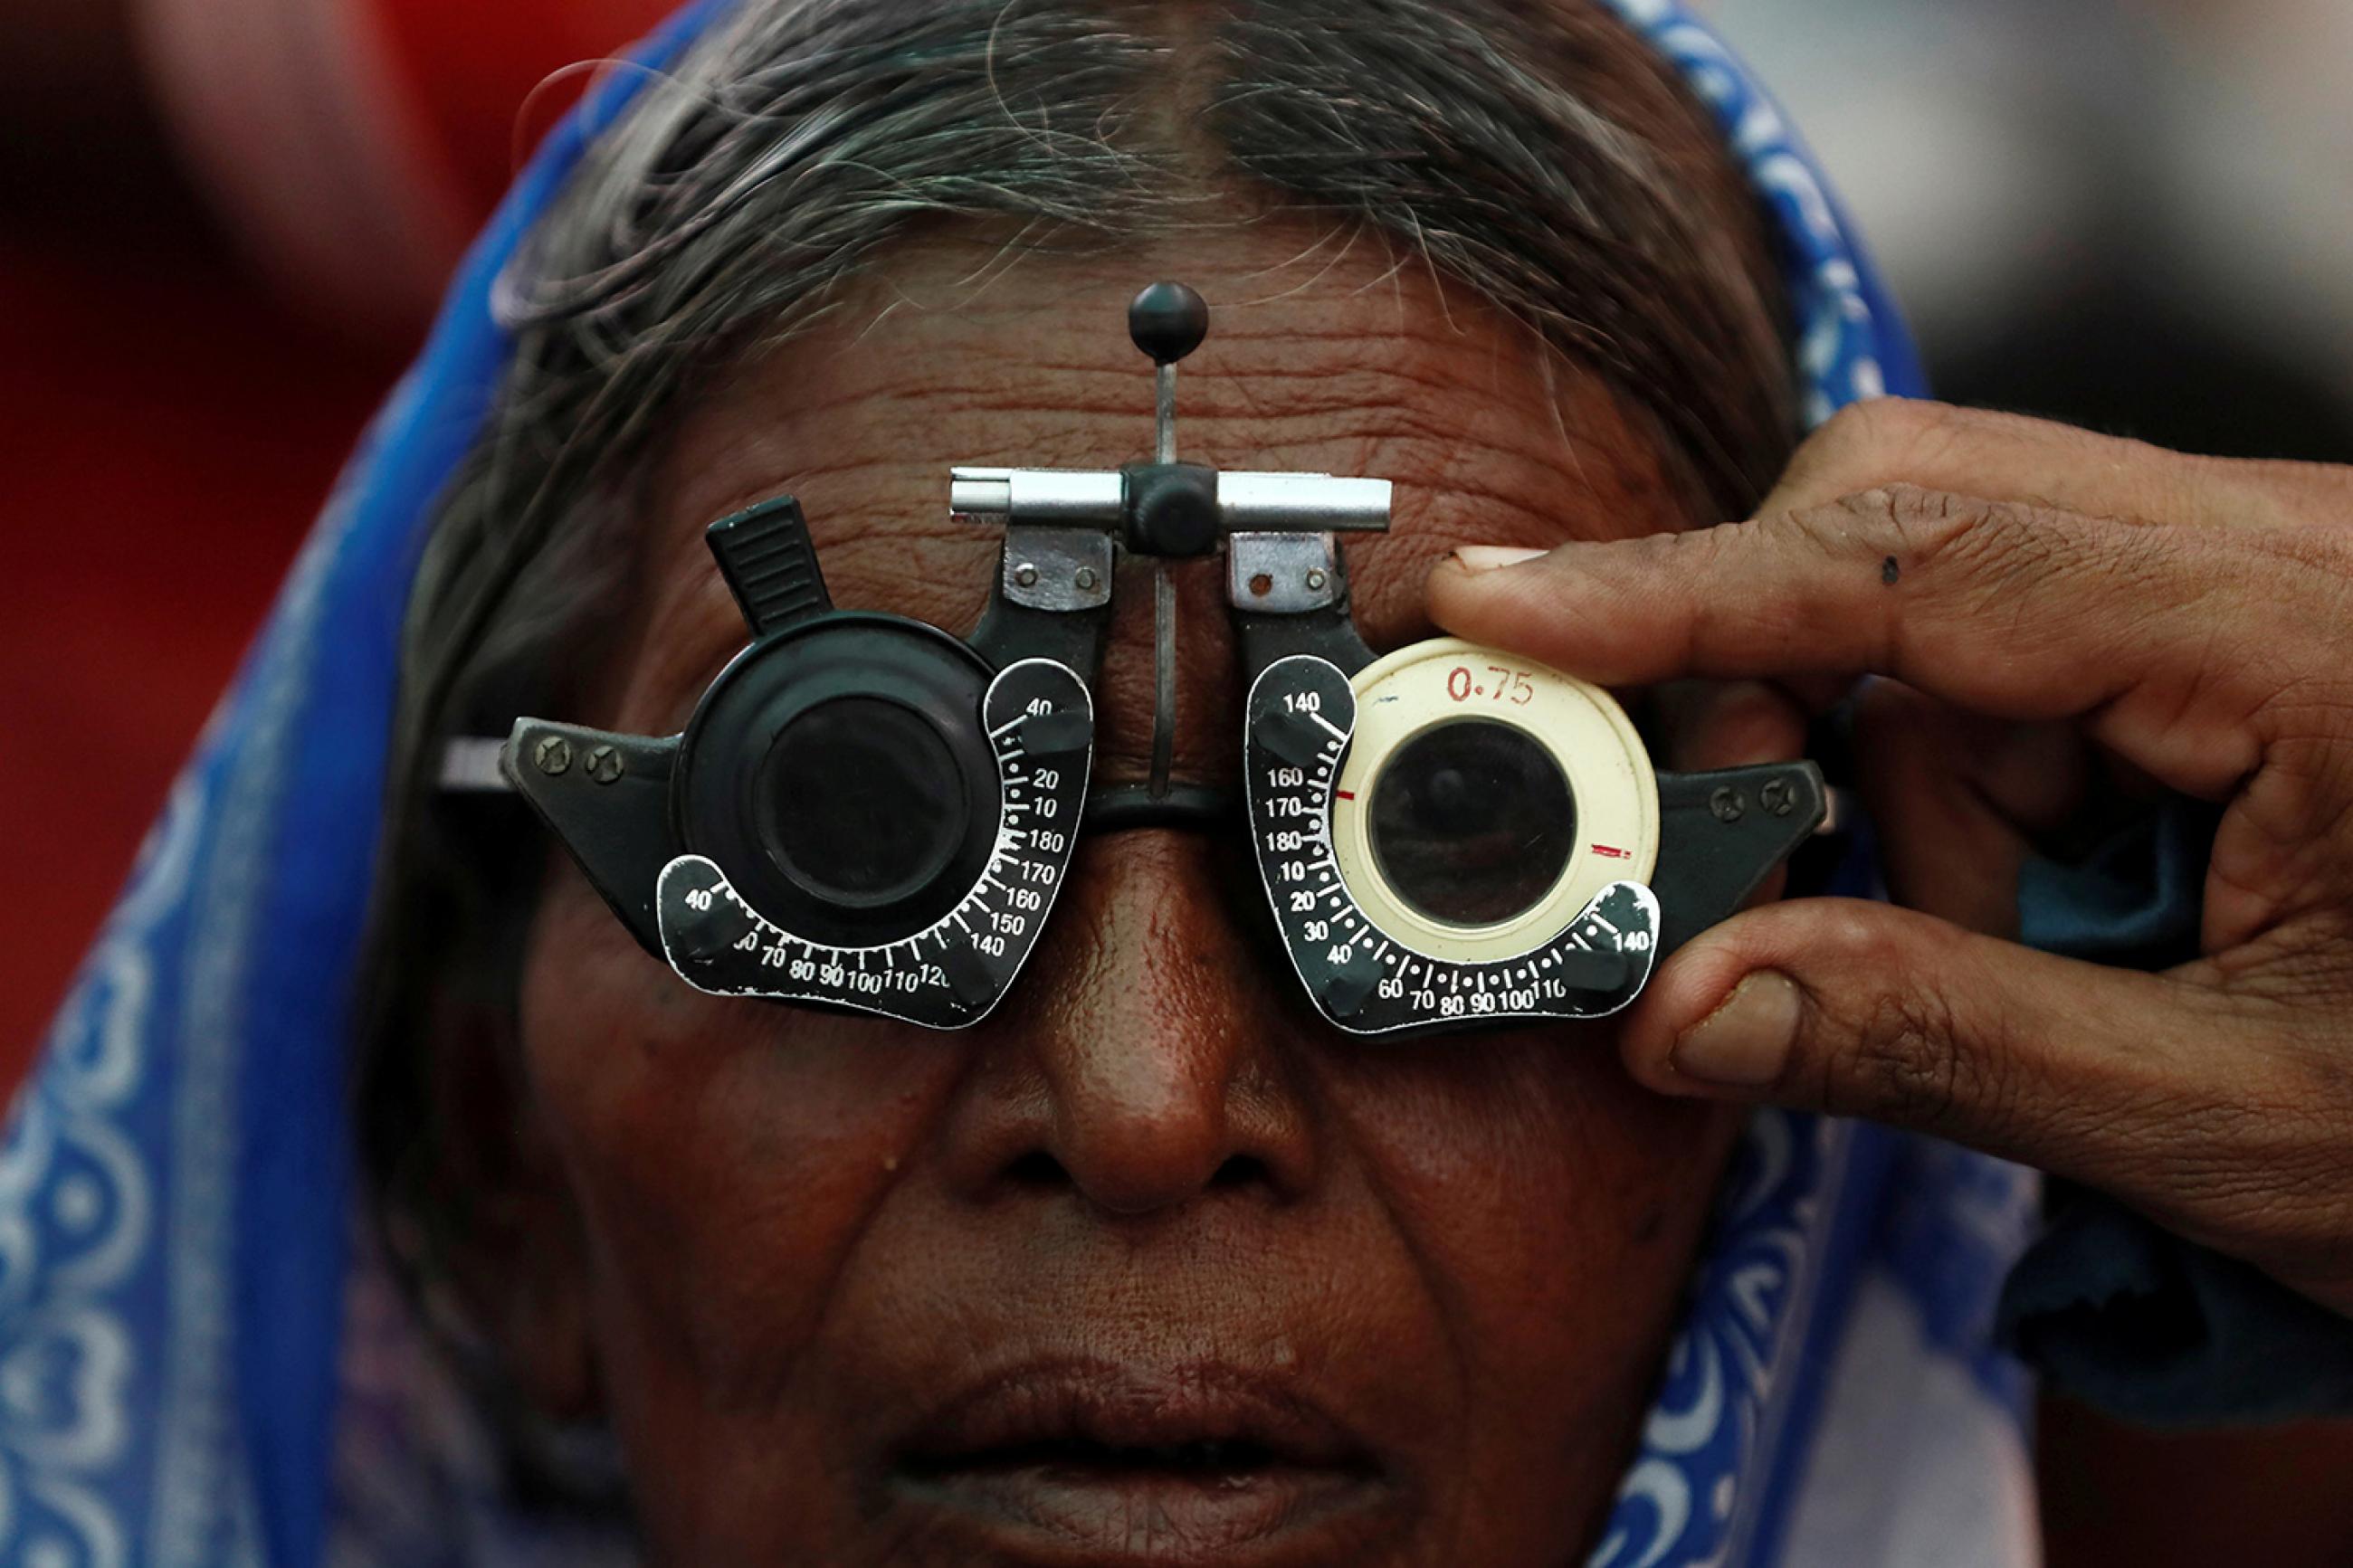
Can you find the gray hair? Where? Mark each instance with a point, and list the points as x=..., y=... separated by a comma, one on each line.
x=1538, y=154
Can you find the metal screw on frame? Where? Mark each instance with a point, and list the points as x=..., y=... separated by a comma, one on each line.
x=554, y=755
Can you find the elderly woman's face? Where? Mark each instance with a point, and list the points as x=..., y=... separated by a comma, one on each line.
x=1151, y=1266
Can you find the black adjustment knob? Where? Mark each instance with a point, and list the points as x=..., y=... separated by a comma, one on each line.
x=1172, y=511
x=1168, y=321
x=770, y=565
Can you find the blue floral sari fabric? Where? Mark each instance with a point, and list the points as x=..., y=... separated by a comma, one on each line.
x=185, y=1343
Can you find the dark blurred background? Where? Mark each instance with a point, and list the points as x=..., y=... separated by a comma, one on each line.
x=223, y=223
x=2132, y=214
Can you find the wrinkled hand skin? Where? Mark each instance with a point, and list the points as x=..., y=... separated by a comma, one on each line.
x=2059, y=618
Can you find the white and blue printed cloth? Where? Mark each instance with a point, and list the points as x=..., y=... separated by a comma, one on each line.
x=187, y=1342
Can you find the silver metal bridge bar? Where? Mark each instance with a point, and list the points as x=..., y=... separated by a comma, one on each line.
x=1246, y=502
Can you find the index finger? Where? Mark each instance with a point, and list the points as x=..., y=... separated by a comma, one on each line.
x=2012, y=458
x=2011, y=611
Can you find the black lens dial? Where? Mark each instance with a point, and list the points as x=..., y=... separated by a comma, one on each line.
x=841, y=777
x=861, y=801
x=1472, y=822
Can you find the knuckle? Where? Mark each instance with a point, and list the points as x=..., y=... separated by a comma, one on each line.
x=1877, y=437
x=1908, y=522
x=1858, y=932
x=1902, y=1063
x=1686, y=548
x=1836, y=443
x=1977, y=537
x=1642, y=563
x=1901, y=1055
x=1694, y=563
x=2007, y=548
x=2014, y=561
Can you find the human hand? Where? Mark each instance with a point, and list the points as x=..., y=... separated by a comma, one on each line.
x=2051, y=608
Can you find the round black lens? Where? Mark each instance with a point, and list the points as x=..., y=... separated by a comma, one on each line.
x=861, y=803
x=1472, y=822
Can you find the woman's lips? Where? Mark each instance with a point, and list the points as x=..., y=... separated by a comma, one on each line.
x=1098, y=1463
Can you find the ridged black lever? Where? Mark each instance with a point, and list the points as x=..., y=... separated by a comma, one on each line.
x=770, y=565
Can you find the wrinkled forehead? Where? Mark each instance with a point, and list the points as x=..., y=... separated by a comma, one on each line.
x=1329, y=351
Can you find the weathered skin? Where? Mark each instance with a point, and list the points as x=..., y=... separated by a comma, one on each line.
x=779, y=1240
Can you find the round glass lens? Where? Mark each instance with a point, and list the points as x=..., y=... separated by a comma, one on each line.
x=1472, y=822
x=861, y=801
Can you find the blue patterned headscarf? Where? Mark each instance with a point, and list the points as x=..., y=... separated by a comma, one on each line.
x=184, y=1335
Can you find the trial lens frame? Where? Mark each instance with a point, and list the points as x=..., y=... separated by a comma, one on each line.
x=870, y=814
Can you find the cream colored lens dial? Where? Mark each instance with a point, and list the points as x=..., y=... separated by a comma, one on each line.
x=1485, y=800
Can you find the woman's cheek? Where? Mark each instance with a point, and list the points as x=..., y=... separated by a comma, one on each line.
x=1534, y=1170
x=724, y=1154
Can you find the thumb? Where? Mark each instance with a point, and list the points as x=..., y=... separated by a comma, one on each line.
x=1863, y=1009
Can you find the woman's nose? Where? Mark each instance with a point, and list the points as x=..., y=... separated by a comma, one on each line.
x=1135, y=1066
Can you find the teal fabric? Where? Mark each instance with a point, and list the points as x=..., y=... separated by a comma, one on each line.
x=2109, y=1306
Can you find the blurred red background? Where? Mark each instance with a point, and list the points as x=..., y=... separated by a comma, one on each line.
x=178, y=387
x=169, y=435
